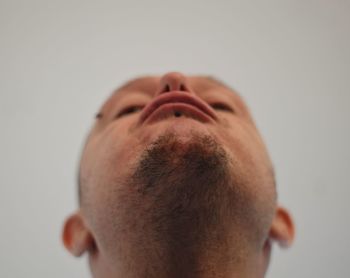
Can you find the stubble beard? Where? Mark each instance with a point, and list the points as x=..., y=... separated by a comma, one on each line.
x=188, y=214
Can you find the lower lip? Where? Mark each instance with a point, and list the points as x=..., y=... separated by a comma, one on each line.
x=169, y=109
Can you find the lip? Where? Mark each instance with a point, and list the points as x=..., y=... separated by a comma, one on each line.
x=178, y=101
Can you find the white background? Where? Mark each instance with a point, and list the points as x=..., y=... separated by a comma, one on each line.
x=59, y=60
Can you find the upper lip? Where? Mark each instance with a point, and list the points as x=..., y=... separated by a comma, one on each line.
x=176, y=97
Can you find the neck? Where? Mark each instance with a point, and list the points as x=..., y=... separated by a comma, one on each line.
x=206, y=262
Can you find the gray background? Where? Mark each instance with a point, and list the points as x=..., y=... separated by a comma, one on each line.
x=60, y=59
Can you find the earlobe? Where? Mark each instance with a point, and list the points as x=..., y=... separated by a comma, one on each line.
x=282, y=229
x=76, y=237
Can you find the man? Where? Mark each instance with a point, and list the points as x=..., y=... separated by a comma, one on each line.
x=175, y=181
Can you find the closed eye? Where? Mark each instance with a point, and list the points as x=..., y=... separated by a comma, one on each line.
x=129, y=110
x=222, y=107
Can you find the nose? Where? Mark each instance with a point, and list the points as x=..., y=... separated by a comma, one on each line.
x=173, y=81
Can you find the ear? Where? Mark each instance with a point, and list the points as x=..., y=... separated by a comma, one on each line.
x=76, y=236
x=282, y=228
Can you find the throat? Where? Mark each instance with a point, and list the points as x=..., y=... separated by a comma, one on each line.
x=191, y=256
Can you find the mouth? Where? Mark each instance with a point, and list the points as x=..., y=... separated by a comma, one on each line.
x=177, y=104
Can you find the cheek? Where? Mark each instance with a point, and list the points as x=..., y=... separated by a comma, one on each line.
x=110, y=164
x=107, y=160
x=117, y=143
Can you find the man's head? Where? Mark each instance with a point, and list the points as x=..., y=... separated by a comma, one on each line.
x=175, y=181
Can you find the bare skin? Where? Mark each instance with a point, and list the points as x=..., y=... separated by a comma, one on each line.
x=175, y=181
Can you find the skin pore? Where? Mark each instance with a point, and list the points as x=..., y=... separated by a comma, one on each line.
x=175, y=181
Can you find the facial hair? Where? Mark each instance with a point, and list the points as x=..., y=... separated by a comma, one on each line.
x=187, y=206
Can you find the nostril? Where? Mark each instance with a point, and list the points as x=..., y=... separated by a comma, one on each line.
x=167, y=88
x=182, y=87
x=173, y=81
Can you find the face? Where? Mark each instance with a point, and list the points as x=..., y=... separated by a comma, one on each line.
x=175, y=160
